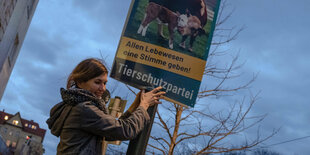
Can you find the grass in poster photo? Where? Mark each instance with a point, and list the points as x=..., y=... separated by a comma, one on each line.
x=152, y=36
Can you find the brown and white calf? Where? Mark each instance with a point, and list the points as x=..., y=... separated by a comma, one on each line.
x=192, y=29
x=163, y=16
x=196, y=21
x=197, y=13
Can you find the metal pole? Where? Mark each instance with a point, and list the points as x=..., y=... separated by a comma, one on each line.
x=115, y=107
x=104, y=147
x=114, y=111
x=138, y=145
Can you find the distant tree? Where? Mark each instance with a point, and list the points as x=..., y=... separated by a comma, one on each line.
x=256, y=152
x=243, y=152
x=265, y=152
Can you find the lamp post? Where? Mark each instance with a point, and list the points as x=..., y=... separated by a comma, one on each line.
x=116, y=108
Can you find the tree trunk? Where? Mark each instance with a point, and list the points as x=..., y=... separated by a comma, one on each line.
x=176, y=129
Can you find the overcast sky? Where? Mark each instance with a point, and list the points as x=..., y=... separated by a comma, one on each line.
x=274, y=44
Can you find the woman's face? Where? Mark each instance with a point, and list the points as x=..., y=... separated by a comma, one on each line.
x=96, y=85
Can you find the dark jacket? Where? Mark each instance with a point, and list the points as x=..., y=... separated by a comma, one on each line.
x=81, y=121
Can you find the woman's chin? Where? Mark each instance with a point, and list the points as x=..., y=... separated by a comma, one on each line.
x=99, y=96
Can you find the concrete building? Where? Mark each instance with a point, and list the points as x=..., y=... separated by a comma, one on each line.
x=21, y=136
x=15, y=17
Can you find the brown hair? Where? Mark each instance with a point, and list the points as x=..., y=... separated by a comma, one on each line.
x=86, y=70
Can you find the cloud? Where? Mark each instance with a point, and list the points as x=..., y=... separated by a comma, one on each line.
x=107, y=16
x=275, y=44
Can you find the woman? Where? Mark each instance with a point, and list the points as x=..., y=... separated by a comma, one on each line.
x=81, y=119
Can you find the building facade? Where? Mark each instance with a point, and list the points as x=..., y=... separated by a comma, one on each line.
x=3, y=148
x=15, y=17
x=21, y=136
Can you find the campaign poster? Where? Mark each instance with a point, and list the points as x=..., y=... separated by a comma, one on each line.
x=166, y=43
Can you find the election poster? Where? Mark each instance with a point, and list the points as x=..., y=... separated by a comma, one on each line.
x=166, y=43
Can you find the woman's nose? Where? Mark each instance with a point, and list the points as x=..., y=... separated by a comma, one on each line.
x=102, y=87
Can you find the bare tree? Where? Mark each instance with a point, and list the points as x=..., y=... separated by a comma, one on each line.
x=206, y=129
x=265, y=152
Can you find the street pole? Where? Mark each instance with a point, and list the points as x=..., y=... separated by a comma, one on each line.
x=138, y=145
x=113, y=113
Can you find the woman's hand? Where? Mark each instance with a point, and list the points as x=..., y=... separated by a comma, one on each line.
x=152, y=97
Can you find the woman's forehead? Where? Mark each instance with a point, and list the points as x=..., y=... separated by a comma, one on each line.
x=102, y=77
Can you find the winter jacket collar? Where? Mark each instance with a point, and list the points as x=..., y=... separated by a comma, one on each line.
x=61, y=111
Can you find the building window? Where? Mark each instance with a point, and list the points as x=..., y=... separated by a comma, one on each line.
x=28, y=137
x=17, y=134
x=1, y=31
x=15, y=122
x=13, y=50
x=29, y=8
x=34, y=127
x=7, y=8
x=29, y=126
x=8, y=142
x=26, y=125
x=6, y=117
x=14, y=144
x=5, y=130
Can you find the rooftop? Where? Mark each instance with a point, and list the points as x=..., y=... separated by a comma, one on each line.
x=28, y=126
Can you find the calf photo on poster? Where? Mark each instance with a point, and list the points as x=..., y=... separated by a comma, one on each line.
x=166, y=43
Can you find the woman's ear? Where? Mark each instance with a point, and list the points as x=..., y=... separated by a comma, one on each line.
x=79, y=85
x=71, y=84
